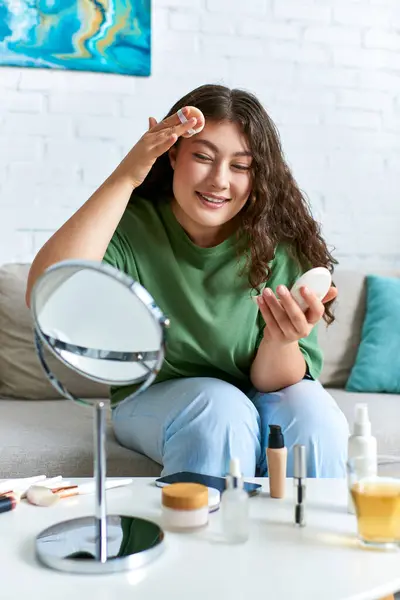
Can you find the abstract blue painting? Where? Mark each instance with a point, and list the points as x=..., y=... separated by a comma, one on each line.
x=111, y=36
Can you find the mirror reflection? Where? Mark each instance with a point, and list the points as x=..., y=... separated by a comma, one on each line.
x=126, y=536
x=98, y=323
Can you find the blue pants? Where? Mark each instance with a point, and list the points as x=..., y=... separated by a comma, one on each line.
x=198, y=424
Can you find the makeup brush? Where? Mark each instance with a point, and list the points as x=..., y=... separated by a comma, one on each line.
x=42, y=496
x=51, y=483
x=21, y=488
x=20, y=484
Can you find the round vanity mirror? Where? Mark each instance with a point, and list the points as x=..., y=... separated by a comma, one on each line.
x=99, y=322
x=105, y=326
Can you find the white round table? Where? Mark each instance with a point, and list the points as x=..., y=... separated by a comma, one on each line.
x=321, y=561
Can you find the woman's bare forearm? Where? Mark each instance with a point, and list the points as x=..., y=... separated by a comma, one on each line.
x=88, y=232
x=277, y=366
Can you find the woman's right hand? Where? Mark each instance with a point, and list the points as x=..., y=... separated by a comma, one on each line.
x=159, y=138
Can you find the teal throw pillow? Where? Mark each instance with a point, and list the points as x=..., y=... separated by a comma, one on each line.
x=377, y=365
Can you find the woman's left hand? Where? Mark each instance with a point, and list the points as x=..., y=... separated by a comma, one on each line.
x=285, y=321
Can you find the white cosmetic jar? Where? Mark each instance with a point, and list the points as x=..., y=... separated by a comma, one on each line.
x=184, y=506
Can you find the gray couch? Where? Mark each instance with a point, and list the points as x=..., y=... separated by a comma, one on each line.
x=40, y=433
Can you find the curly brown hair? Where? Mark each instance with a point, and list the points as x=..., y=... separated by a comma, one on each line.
x=276, y=212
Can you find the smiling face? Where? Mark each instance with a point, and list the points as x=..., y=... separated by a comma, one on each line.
x=212, y=181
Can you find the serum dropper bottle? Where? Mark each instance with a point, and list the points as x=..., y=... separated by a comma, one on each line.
x=235, y=506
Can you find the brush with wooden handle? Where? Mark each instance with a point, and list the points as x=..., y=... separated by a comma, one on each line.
x=42, y=496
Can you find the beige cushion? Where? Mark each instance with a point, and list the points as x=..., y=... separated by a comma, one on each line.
x=21, y=375
x=340, y=341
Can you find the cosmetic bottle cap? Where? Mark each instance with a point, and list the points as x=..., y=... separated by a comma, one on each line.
x=362, y=424
x=234, y=467
x=275, y=438
x=234, y=479
x=299, y=462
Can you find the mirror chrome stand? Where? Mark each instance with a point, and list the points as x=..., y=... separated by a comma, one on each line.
x=100, y=481
x=103, y=543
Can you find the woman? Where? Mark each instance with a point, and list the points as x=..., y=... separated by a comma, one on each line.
x=204, y=222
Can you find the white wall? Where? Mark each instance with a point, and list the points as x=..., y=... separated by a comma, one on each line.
x=328, y=72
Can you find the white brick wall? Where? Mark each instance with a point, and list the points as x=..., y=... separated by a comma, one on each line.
x=328, y=72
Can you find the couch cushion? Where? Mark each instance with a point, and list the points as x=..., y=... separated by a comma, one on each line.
x=377, y=366
x=56, y=438
x=340, y=341
x=21, y=375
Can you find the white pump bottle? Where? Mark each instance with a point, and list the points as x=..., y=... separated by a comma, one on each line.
x=362, y=445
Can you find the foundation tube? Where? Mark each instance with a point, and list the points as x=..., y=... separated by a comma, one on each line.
x=277, y=460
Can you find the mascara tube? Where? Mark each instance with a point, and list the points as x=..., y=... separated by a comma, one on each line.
x=300, y=477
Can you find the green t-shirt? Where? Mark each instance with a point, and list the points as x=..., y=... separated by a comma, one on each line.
x=215, y=327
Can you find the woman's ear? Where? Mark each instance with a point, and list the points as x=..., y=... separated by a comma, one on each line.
x=172, y=156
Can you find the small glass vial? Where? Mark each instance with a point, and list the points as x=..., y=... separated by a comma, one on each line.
x=184, y=506
x=235, y=506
